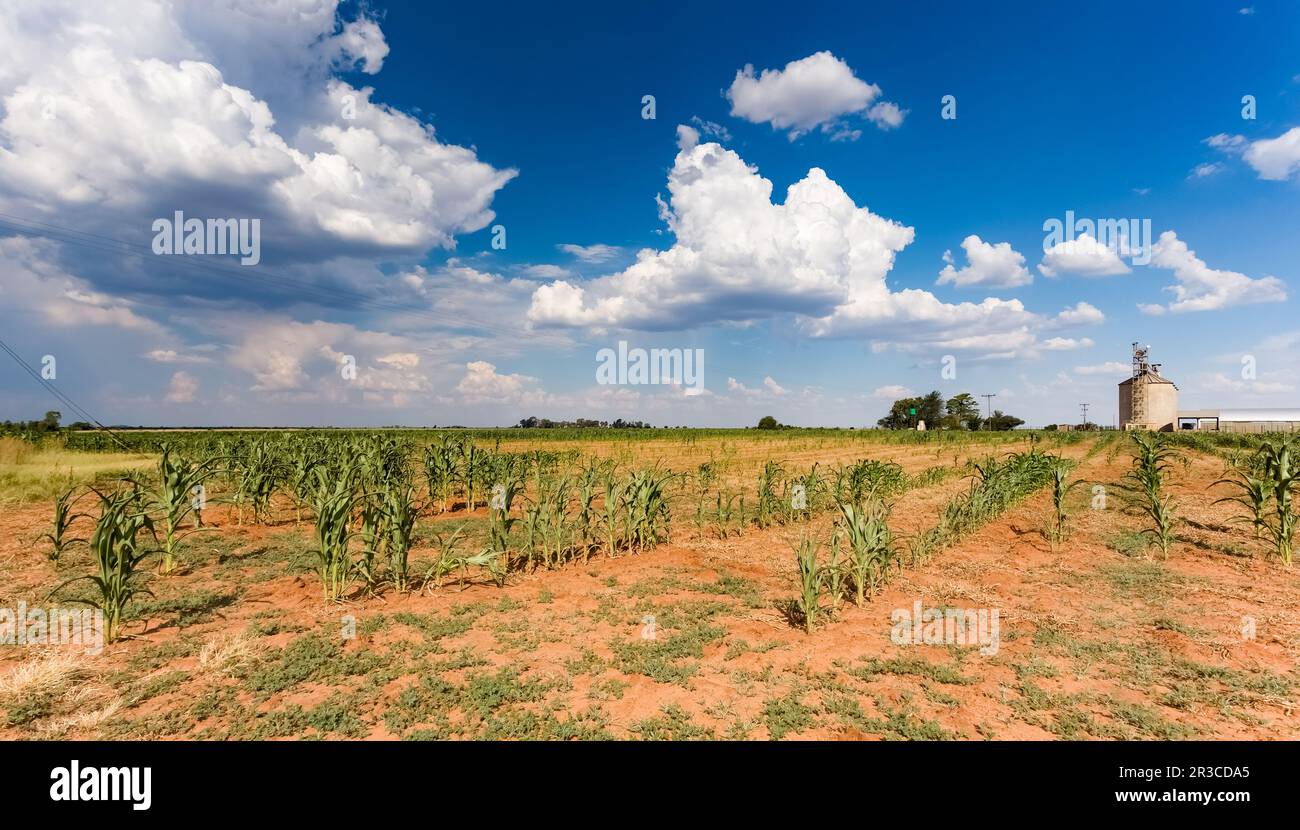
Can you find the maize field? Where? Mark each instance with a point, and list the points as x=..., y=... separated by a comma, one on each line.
x=582, y=584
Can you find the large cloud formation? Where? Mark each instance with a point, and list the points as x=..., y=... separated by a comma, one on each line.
x=128, y=106
x=739, y=257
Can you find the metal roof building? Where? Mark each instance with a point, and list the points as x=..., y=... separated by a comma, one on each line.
x=1240, y=420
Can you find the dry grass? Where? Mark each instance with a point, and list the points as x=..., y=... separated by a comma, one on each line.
x=51, y=674
x=14, y=451
x=30, y=474
x=226, y=653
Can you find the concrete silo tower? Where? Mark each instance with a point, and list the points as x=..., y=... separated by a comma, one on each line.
x=1147, y=400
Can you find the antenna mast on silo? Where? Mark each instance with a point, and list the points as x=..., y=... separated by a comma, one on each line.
x=1140, y=364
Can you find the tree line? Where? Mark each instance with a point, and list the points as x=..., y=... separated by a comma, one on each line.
x=961, y=411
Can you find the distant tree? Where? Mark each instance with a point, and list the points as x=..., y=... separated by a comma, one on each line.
x=962, y=411
x=51, y=420
x=900, y=414
x=907, y=411
x=1000, y=422
x=767, y=422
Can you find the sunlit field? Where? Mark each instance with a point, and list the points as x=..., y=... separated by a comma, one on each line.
x=652, y=584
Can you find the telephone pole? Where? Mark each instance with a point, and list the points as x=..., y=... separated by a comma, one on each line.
x=988, y=402
x=1084, y=407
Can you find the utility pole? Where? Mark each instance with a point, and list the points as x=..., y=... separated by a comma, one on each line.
x=1084, y=407
x=988, y=402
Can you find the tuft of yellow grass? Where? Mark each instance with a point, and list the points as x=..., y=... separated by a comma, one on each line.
x=14, y=450
x=226, y=653
x=49, y=674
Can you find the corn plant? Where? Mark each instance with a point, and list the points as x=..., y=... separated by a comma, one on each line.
x=1061, y=489
x=1144, y=486
x=725, y=512
x=335, y=501
x=769, y=503
x=301, y=470
x=440, y=465
x=1281, y=475
x=806, y=606
x=449, y=561
x=1255, y=495
x=648, y=514
x=173, y=499
x=401, y=510
x=871, y=546
x=257, y=474
x=615, y=494
x=705, y=476
x=64, y=517
x=117, y=547
x=588, y=482
x=835, y=575
x=496, y=557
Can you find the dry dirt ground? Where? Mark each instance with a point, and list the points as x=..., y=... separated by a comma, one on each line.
x=1101, y=639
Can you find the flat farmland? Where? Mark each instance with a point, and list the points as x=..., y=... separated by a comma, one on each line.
x=643, y=585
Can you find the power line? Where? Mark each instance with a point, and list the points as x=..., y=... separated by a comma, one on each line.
x=54, y=390
x=988, y=402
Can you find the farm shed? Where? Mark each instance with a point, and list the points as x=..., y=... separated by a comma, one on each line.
x=1240, y=420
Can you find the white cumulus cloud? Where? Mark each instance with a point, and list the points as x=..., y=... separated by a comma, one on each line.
x=814, y=92
x=988, y=265
x=1202, y=288
x=1083, y=256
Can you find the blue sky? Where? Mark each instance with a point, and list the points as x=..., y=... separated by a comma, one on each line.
x=378, y=208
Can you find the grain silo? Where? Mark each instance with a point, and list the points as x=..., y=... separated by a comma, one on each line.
x=1147, y=400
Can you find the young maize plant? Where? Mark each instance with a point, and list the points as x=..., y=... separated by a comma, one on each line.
x=401, y=511
x=335, y=499
x=813, y=485
x=448, y=562
x=440, y=465
x=175, y=501
x=118, y=549
x=724, y=513
x=871, y=546
x=769, y=503
x=1144, y=486
x=588, y=481
x=257, y=473
x=471, y=470
x=64, y=517
x=1255, y=495
x=1281, y=475
x=836, y=574
x=1164, y=518
x=705, y=476
x=301, y=473
x=648, y=516
x=496, y=557
x=615, y=491
x=374, y=535
x=806, y=606
x=1061, y=489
